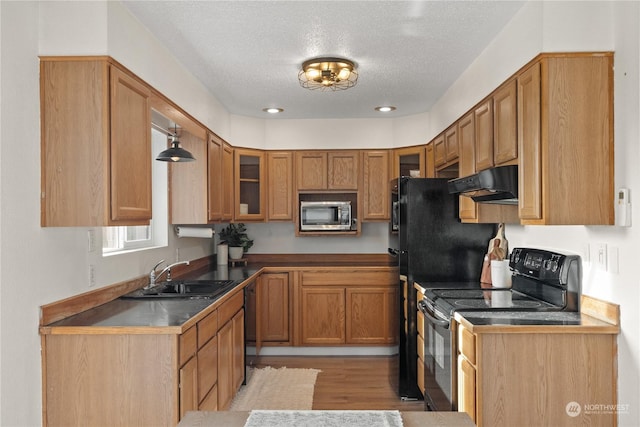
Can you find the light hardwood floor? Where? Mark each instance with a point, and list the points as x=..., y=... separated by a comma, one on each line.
x=348, y=382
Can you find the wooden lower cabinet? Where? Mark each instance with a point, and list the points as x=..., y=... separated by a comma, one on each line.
x=111, y=380
x=189, y=386
x=230, y=359
x=231, y=362
x=371, y=316
x=339, y=307
x=323, y=315
x=509, y=379
x=268, y=307
x=134, y=379
x=273, y=311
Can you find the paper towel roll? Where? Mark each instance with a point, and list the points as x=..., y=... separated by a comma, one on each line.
x=194, y=232
x=223, y=254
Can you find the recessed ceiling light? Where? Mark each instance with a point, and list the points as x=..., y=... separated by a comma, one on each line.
x=385, y=108
x=273, y=110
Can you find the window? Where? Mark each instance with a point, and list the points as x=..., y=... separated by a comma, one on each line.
x=119, y=239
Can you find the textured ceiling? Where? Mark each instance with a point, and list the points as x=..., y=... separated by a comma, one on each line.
x=248, y=53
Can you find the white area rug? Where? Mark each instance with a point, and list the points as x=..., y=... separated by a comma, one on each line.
x=270, y=388
x=324, y=419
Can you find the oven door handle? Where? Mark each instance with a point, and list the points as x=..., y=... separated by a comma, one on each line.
x=422, y=306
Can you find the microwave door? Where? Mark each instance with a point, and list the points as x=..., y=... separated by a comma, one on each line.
x=320, y=216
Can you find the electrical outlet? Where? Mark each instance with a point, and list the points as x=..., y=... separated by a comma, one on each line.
x=92, y=275
x=601, y=256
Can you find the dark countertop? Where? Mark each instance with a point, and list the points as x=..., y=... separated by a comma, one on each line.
x=155, y=313
x=497, y=321
x=175, y=315
x=522, y=317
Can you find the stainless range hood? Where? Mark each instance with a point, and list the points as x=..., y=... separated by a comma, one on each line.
x=496, y=185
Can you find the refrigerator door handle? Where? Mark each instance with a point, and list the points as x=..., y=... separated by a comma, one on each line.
x=395, y=252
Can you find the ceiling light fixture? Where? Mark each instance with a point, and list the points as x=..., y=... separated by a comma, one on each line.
x=385, y=108
x=273, y=110
x=175, y=153
x=328, y=74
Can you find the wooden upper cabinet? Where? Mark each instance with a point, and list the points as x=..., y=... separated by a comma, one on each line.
x=250, y=179
x=227, y=182
x=343, y=170
x=332, y=170
x=375, y=182
x=529, y=144
x=505, y=135
x=467, y=162
x=446, y=147
x=220, y=179
x=280, y=188
x=430, y=161
x=189, y=182
x=130, y=161
x=483, y=117
x=190, y=193
x=311, y=170
x=451, y=143
x=565, y=140
x=216, y=185
x=96, y=144
x=440, y=150
x=471, y=128
x=408, y=159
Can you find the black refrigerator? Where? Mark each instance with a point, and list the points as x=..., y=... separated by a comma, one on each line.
x=432, y=246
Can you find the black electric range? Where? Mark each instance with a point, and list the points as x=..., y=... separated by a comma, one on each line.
x=542, y=282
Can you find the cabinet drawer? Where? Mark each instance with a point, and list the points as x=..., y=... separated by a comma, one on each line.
x=420, y=348
x=420, y=324
x=467, y=344
x=351, y=277
x=231, y=307
x=188, y=343
x=207, y=328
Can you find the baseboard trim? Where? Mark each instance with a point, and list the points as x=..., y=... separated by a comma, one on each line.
x=324, y=351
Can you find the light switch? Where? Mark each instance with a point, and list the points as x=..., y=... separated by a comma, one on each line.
x=601, y=256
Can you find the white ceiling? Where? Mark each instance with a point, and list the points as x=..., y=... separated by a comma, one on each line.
x=248, y=53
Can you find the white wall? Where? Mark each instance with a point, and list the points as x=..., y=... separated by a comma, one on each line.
x=42, y=265
x=38, y=266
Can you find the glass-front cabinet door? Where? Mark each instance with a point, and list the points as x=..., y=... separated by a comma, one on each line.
x=250, y=178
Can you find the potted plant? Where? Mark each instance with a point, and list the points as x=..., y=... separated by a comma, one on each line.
x=235, y=236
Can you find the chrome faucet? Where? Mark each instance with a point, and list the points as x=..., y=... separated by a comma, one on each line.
x=153, y=276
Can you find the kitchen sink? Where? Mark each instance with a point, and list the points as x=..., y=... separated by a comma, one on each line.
x=184, y=289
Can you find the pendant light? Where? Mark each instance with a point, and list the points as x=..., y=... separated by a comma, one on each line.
x=175, y=153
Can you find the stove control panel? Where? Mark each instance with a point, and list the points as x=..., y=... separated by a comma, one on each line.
x=550, y=267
